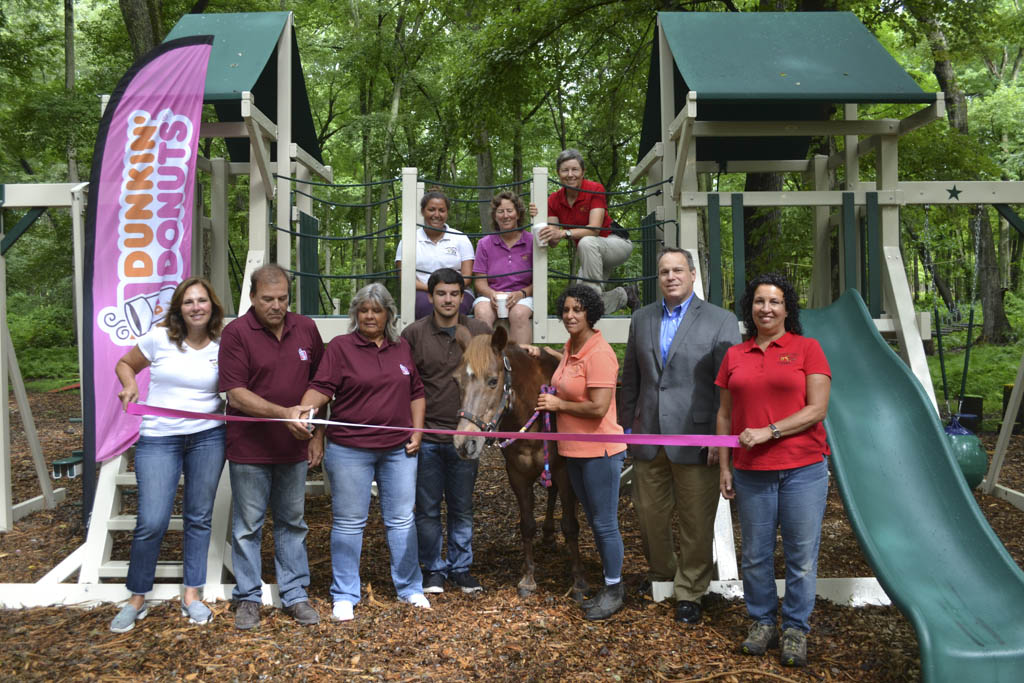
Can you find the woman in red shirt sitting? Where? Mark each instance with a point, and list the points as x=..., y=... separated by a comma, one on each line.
x=579, y=211
x=774, y=394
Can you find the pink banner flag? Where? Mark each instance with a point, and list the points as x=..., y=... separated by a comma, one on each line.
x=139, y=223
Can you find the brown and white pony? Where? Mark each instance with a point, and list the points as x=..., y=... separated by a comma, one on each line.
x=499, y=383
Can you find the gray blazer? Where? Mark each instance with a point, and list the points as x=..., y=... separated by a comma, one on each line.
x=680, y=398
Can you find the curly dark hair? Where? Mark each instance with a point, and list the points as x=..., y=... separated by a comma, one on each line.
x=792, y=321
x=175, y=322
x=588, y=298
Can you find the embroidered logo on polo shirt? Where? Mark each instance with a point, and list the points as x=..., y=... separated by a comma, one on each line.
x=525, y=256
x=451, y=251
x=788, y=358
x=303, y=354
x=405, y=370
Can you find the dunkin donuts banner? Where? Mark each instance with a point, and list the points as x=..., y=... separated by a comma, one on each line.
x=138, y=234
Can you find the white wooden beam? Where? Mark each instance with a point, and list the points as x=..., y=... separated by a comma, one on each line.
x=326, y=173
x=29, y=195
x=900, y=306
x=224, y=129
x=541, y=326
x=90, y=595
x=703, y=129
x=777, y=166
x=851, y=592
x=991, y=480
x=806, y=198
x=284, y=144
x=642, y=169
x=963, y=192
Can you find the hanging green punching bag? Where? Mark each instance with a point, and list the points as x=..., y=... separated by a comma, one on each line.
x=970, y=454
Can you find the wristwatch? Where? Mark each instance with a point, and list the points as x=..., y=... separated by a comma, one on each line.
x=776, y=434
x=568, y=234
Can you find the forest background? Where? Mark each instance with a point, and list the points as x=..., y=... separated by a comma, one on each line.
x=476, y=94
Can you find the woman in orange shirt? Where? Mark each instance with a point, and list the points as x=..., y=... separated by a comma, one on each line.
x=585, y=403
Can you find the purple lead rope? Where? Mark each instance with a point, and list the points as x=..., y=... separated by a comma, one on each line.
x=545, y=475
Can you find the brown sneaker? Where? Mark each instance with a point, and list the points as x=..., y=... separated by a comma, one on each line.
x=760, y=638
x=247, y=615
x=633, y=302
x=303, y=613
x=794, y=648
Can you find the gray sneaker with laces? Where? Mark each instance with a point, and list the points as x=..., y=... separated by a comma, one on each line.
x=760, y=638
x=794, y=647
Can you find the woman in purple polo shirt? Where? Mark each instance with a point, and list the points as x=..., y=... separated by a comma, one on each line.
x=504, y=265
x=371, y=375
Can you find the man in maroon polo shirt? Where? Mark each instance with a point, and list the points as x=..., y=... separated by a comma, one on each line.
x=267, y=358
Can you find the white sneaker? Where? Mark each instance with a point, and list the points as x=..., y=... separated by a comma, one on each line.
x=342, y=611
x=418, y=600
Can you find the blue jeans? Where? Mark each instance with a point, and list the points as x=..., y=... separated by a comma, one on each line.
x=282, y=487
x=441, y=473
x=793, y=500
x=596, y=483
x=351, y=471
x=159, y=463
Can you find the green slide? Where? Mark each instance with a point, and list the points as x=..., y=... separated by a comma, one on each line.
x=918, y=524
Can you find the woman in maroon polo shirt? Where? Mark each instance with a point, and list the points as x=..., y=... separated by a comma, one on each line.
x=774, y=394
x=372, y=378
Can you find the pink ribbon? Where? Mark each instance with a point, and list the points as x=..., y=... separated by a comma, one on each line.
x=710, y=440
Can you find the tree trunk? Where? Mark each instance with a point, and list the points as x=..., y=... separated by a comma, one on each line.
x=142, y=19
x=760, y=225
x=484, y=177
x=69, y=81
x=995, y=328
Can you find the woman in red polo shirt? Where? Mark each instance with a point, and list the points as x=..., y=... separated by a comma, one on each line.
x=584, y=401
x=774, y=394
x=579, y=212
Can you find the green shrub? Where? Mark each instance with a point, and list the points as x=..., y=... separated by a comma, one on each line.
x=54, y=363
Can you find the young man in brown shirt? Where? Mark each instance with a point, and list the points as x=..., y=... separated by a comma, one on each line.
x=441, y=473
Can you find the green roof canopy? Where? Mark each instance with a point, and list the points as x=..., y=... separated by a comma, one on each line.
x=244, y=57
x=770, y=66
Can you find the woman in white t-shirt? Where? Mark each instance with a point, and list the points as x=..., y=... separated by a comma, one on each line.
x=181, y=354
x=438, y=245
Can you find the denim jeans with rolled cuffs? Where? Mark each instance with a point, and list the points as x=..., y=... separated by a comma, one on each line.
x=159, y=463
x=794, y=502
x=596, y=483
x=351, y=471
x=443, y=475
x=282, y=488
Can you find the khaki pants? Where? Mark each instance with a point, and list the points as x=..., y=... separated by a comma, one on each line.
x=663, y=490
x=599, y=256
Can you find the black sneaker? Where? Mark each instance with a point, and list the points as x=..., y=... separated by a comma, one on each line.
x=466, y=582
x=433, y=582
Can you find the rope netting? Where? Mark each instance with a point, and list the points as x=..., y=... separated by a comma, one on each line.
x=353, y=233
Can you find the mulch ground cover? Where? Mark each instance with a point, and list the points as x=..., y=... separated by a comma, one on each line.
x=494, y=635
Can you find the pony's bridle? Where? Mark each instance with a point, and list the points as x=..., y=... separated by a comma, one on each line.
x=505, y=404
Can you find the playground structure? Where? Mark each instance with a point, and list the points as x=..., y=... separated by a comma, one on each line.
x=697, y=122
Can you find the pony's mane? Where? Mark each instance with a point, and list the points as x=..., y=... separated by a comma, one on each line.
x=479, y=355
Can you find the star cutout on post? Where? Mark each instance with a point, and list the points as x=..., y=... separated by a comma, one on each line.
x=954, y=193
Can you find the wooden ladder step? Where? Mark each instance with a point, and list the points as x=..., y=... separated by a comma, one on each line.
x=118, y=569
x=127, y=523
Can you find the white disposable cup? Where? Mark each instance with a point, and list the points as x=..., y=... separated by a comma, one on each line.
x=502, y=300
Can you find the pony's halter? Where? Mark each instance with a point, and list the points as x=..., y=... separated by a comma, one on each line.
x=506, y=402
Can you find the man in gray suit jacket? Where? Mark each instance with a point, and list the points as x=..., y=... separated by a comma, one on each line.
x=668, y=387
